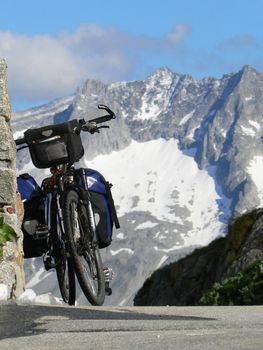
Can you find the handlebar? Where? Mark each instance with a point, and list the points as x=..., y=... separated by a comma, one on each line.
x=20, y=141
x=90, y=125
x=107, y=109
x=104, y=118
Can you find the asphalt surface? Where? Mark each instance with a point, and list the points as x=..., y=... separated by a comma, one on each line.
x=56, y=327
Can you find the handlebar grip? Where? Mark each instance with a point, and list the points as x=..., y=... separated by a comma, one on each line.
x=20, y=141
x=107, y=109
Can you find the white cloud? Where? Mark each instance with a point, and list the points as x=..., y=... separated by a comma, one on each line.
x=45, y=67
x=238, y=42
x=38, y=66
x=178, y=34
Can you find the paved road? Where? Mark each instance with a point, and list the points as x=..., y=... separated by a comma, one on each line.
x=54, y=327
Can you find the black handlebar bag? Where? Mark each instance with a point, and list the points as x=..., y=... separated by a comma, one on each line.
x=53, y=145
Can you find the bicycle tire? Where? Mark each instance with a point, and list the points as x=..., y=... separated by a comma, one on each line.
x=63, y=263
x=85, y=254
x=66, y=280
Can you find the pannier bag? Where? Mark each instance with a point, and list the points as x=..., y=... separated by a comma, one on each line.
x=35, y=236
x=103, y=206
x=53, y=145
x=28, y=187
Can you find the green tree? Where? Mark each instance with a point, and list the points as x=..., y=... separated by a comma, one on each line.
x=245, y=288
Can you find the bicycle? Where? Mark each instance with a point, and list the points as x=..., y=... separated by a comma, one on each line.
x=70, y=227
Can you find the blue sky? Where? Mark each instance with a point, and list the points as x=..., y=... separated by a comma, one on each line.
x=51, y=47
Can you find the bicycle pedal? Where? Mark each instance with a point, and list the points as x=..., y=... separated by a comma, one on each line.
x=108, y=274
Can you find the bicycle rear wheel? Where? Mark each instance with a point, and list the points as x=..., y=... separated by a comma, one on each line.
x=66, y=280
x=85, y=253
x=63, y=263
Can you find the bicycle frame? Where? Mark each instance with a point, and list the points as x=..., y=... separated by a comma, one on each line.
x=68, y=204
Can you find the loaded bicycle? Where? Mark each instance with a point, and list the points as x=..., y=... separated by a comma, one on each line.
x=66, y=205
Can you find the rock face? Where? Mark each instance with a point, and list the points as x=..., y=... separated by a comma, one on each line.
x=216, y=117
x=212, y=121
x=185, y=281
x=11, y=263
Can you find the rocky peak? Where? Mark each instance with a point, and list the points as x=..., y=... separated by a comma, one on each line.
x=248, y=70
x=92, y=86
x=161, y=76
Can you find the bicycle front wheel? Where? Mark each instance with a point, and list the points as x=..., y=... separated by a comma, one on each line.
x=85, y=254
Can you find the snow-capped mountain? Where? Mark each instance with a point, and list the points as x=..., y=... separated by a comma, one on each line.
x=183, y=155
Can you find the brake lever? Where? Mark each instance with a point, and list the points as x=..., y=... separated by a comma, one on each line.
x=99, y=127
x=103, y=127
x=92, y=127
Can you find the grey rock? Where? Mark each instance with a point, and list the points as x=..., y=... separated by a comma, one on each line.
x=7, y=186
x=7, y=275
x=7, y=146
x=185, y=281
x=3, y=91
x=11, y=264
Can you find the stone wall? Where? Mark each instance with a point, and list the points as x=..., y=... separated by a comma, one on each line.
x=11, y=208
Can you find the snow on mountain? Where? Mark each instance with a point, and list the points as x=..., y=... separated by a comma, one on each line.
x=168, y=201
x=179, y=160
x=156, y=176
x=39, y=114
x=255, y=171
x=158, y=91
x=165, y=203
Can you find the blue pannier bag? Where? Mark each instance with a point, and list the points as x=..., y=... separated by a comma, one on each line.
x=103, y=206
x=34, y=244
x=28, y=187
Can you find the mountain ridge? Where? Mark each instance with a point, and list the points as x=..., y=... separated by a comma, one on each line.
x=210, y=121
